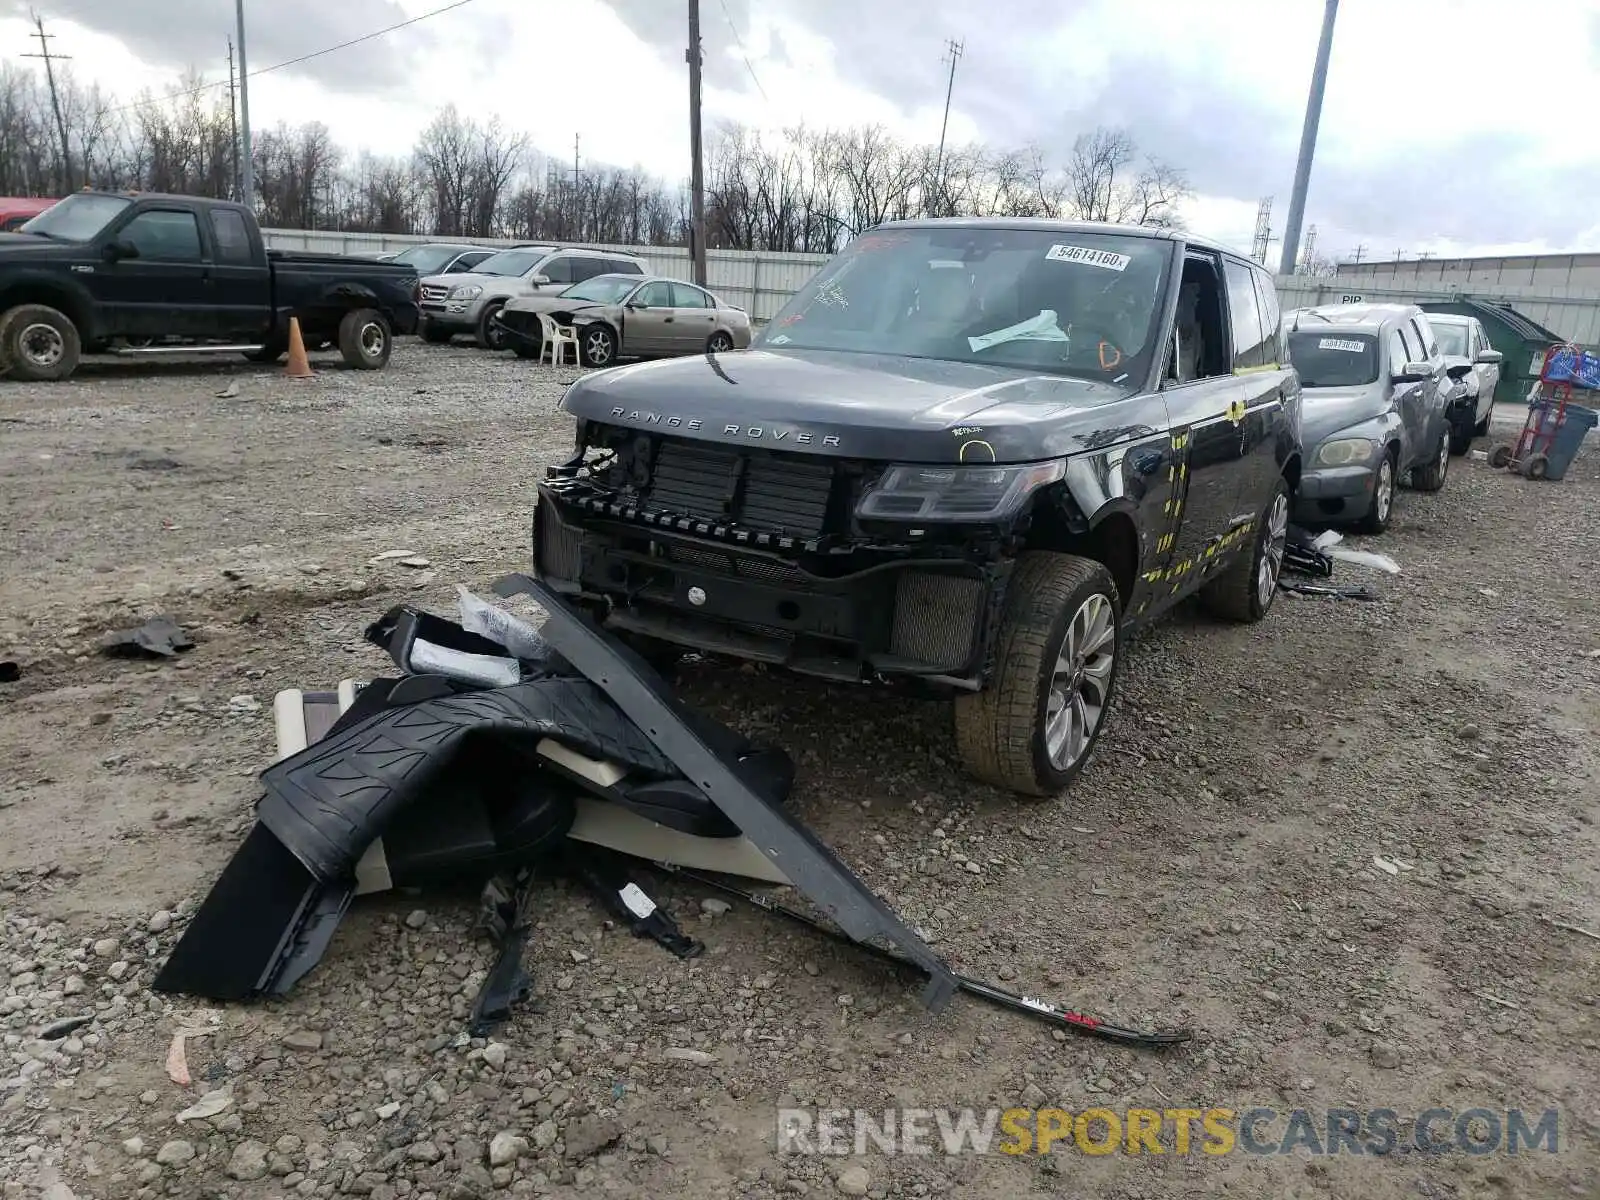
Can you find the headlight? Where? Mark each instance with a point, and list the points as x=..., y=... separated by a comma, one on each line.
x=1345, y=452
x=470, y=292
x=966, y=493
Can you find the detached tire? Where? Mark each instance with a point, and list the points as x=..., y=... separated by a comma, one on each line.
x=39, y=344
x=1056, y=658
x=365, y=339
x=1246, y=590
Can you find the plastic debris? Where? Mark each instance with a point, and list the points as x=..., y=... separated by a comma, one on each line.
x=209, y=1105
x=159, y=637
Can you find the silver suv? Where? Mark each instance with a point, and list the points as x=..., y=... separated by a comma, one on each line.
x=1374, y=409
x=467, y=302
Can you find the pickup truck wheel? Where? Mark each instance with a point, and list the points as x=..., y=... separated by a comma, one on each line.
x=1033, y=728
x=490, y=335
x=1246, y=589
x=39, y=344
x=365, y=341
x=597, y=347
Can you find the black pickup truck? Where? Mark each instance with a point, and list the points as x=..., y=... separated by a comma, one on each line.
x=143, y=273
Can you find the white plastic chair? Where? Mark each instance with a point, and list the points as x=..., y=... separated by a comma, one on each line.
x=556, y=339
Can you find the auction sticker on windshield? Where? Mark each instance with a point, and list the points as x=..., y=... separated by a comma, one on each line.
x=1341, y=344
x=1108, y=259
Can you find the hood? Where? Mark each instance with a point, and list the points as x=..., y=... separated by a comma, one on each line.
x=19, y=245
x=550, y=302
x=504, y=285
x=874, y=406
x=1327, y=410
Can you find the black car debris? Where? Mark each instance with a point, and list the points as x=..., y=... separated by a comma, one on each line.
x=969, y=456
x=148, y=274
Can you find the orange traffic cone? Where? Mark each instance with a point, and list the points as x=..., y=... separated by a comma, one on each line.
x=298, y=367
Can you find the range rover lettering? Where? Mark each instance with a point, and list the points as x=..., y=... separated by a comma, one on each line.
x=969, y=456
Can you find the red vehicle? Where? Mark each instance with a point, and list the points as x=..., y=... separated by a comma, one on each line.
x=14, y=210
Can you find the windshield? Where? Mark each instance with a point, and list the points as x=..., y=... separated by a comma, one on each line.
x=77, y=218
x=602, y=289
x=429, y=260
x=1452, y=338
x=510, y=262
x=1048, y=300
x=1326, y=359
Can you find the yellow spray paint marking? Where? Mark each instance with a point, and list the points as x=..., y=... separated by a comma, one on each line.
x=1236, y=411
x=966, y=446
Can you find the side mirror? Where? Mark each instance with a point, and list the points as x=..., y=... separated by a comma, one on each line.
x=1413, y=372
x=540, y=281
x=120, y=249
x=1489, y=356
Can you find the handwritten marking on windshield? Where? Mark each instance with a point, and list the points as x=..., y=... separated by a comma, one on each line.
x=1108, y=259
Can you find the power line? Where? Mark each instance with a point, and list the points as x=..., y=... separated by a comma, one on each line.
x=293, y=62
x=733, y=29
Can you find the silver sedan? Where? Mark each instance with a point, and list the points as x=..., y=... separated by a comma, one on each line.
x=624, y=316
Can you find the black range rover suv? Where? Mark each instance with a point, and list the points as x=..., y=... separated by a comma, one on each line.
x=969, y=455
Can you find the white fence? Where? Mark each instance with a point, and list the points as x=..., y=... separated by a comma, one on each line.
x=759, y=281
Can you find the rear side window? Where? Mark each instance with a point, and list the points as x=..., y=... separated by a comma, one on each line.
x=467, y=261
x=1271, y=318
x=233, y=238
x=687, y=296
x=623, y=266
x=1397, y=352
x=587, y=268
x=1413, y=345
x=1249, y=339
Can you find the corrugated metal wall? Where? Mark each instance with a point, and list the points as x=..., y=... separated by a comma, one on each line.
x=1575, y=316
x=1547, y=273
x=757, y=281
x=760, y=281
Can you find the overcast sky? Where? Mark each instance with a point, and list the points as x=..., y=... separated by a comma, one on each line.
x=1448, y=126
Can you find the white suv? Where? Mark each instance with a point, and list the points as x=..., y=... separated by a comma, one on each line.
x=465, y=302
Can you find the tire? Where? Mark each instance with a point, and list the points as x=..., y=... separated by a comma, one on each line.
x=597, y=346
x=1246, y=590
x=1376, y=518
x=720, y=342
x=39, y=344
x=489, y=336
x=1054, y=603
x=365, y=339
x=1431, y=478
x=1481, y=429
x=433, y=335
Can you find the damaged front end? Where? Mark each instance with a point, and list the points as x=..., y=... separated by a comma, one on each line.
x=835, y=567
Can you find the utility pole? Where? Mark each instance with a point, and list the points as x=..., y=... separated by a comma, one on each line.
x=1308, y=141
x=247, y=169
x=697, y=182
x=953, y=51
x=55, y=97
x=233, y=118
x=1360, y=252
x=575, y=139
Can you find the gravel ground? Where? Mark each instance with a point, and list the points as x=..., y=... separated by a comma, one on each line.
x=1214, y=866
